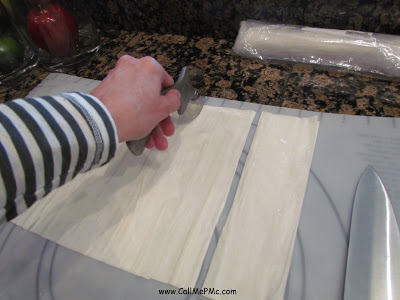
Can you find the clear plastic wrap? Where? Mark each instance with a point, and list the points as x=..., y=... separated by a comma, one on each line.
x=355, y=51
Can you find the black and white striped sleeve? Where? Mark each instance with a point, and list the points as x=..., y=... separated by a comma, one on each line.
x=47, y=141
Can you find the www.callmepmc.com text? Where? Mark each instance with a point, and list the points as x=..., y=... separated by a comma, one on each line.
x=197, y=291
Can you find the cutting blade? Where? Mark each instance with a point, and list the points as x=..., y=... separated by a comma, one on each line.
x=373, y=261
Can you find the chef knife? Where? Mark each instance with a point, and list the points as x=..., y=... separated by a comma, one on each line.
x=373, y=260
x=189, y=106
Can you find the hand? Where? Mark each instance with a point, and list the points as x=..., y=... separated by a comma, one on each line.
x=131, y=93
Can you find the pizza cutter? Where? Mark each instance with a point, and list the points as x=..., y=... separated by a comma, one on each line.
x=190, y=108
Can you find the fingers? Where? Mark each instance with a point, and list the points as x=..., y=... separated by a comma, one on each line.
x=150, y=64
x=126, y=59
x=167, y=126
x=150, y=143
x=171, y=102
x=166, y=80
x=172, y=98
x=132, y=94
x=157, y=139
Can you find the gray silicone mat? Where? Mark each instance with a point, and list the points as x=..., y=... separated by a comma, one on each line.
x=345, y=146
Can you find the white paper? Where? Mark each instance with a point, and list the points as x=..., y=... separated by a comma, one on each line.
x=151, y=215
x=255, y=248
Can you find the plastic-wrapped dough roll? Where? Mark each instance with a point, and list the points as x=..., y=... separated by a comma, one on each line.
x=354, y=50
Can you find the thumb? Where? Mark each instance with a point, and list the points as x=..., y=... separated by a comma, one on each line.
x=171, y=102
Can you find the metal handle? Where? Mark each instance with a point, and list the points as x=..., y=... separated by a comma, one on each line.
x=137, y=147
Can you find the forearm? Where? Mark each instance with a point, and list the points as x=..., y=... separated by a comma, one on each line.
x=45, y=142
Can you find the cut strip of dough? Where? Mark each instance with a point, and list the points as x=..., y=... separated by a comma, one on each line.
x=255, y=248
x=151, y=215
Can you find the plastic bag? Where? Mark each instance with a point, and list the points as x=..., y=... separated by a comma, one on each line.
x=356, y=51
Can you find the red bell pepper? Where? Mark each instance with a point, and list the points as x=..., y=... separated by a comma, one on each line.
x=53, y=29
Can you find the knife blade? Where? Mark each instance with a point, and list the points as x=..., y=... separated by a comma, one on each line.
x=373, y=260
x=188, y=107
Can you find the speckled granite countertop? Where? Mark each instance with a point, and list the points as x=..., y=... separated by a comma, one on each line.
x=229, y=76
